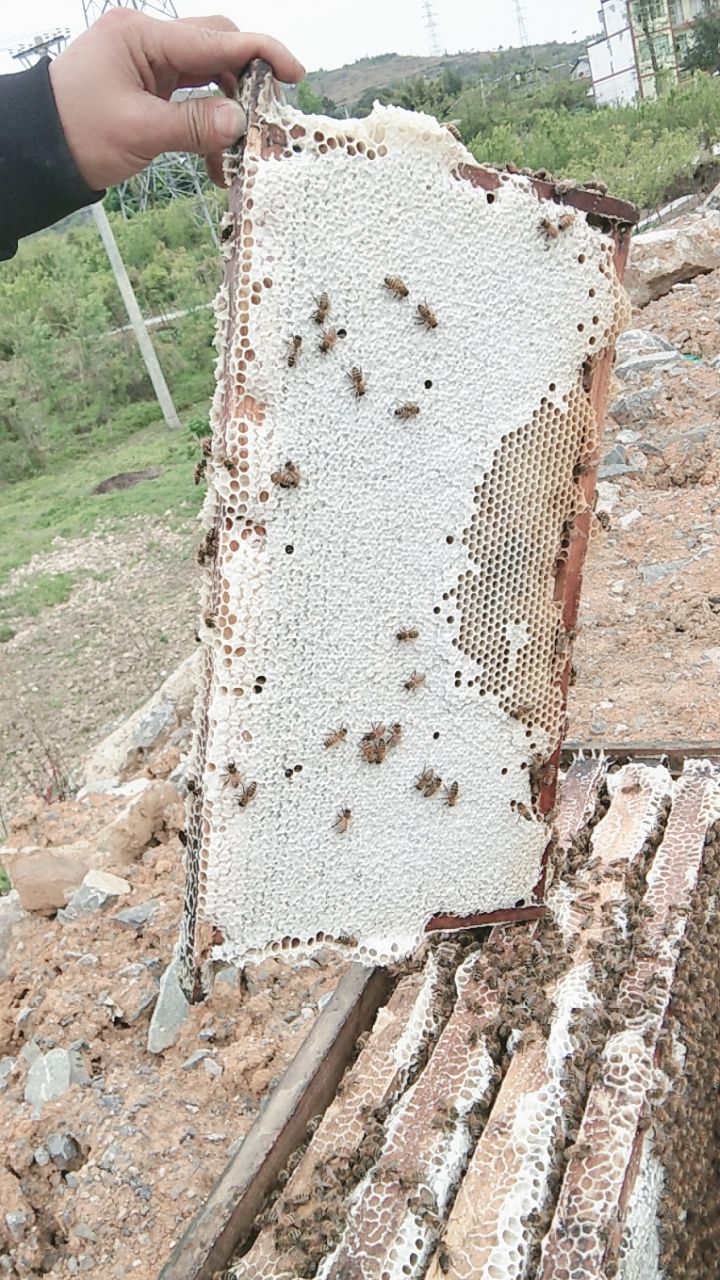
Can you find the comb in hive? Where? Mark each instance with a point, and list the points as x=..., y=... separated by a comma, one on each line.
x=560, y=1120
x=412, y=354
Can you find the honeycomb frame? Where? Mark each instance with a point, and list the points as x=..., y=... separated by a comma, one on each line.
x=237, y=523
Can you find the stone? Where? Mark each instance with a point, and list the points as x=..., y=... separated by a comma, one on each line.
x=43, y=877
x=652, y=573
x=647, y=360
x=212, y=1068
x=65, y=1153
x=6, y=1069
x=630, y=518
x=153, y=809
x=618, y=454
x=598, y=727
x=85, y=901
x=51, y=1075
x=11, y=912
x=637, y=342
x=125, y=750
x=170, y=1012
x=608, y=496
x=681, y=251
x=636, y=406
x=137, y=916
x=195, y=1059
x=105, y=882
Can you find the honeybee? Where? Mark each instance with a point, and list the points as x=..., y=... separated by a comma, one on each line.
x=451, y=794
x=595, y=185
x=328, y=341
x=200, y=469
x=414, y=681
x=377, y=731
x=565, y=221
x=444, y=1261
x=432, y=786
x=323, y=308
x=380, y=751
x=368, y=748
x=287, y=477
x=426, y=316
x=524, y=812
x=247, y=794
x=206, y=446
x=424, y=779
x=209, y=621
x=294, y=352
x=357, y=378
x=453, y=129
x=231, y=775
x=208, y=547
x=396, y=286
x=342, y=822
x=226, y=231
x=183, y=838
x=603, y=519
x=338, y=735
x=549, y=229
x=407, y=633
x=394, y=736
x=407, y=410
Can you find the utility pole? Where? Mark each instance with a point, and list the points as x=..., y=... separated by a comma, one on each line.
x=433, y=31
x=49, y=45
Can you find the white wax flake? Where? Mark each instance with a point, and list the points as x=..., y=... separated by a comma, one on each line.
x=444, y=523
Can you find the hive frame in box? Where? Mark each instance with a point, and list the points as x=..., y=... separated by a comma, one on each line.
x=268, y=140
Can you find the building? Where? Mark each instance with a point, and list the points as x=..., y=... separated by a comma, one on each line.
x=581, y=69
x=642, y=48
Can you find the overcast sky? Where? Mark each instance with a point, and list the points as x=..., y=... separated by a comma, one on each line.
x=328, y=33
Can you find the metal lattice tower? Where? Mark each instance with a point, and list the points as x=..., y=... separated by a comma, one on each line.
x=170, y=175
x=47, y=45
x=523, y=39
x=433, y=30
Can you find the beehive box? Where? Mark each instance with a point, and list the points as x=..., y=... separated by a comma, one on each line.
x=413, y=353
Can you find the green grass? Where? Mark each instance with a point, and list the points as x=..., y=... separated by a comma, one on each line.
x=59, y=503
x=4, y=880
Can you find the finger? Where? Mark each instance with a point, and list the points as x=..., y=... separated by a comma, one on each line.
x=214, y=166
x=205, y=52
x=201, y=125
x=215, y=21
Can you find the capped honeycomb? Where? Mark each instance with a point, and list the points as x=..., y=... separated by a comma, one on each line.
x=399, y=481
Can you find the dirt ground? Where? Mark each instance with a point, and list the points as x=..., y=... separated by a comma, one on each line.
x=152, y=1134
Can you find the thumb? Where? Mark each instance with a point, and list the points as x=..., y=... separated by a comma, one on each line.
x=202, y=125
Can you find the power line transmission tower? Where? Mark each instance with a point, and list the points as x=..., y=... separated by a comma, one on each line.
x=521, y=27
x=47, y=45
x=433, y=30
x=170, y=175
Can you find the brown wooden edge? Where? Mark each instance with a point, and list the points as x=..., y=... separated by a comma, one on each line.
x=671, y=754
x=306, y=1089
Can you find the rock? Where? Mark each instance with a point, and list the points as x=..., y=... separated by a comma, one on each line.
x=124, y=750
x=637, y=342
x=155, y=808
x=659, y=259
x=628, y=520
x=212, y=1068
x=11, y=912
x=51, y=1075
x=84, y=902
x=608, y=496
x=65, y=1153
x=113, y=886
x=137, y=916
x=598, y=727
x=43, y=877
x=652, y=573
x=6, y=1069
x=647, y=360
x=636, y=406
x=170, y=1013
x=195, y=1059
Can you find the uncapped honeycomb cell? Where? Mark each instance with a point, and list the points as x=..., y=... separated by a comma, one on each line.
x=401, y=428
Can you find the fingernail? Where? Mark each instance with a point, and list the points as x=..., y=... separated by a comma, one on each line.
x=230, y=121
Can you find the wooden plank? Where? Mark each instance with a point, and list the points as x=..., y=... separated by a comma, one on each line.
x=306, y=1089
x=671, y=754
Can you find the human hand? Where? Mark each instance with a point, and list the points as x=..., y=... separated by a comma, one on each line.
x=113, y=84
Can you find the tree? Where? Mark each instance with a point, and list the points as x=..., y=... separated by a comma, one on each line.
x=703, y=53
x=309, y=100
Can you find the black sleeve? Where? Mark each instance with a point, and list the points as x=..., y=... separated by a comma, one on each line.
x=39, y=180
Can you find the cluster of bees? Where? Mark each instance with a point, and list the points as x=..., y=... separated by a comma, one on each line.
x=428, y=783
x=552, y=230
x=232, y=777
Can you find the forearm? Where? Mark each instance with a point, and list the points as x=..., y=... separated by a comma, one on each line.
x=39, y=180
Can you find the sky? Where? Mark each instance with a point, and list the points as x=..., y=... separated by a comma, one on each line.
x=328, y=33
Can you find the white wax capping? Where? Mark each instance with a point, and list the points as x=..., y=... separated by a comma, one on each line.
x=447, y=522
